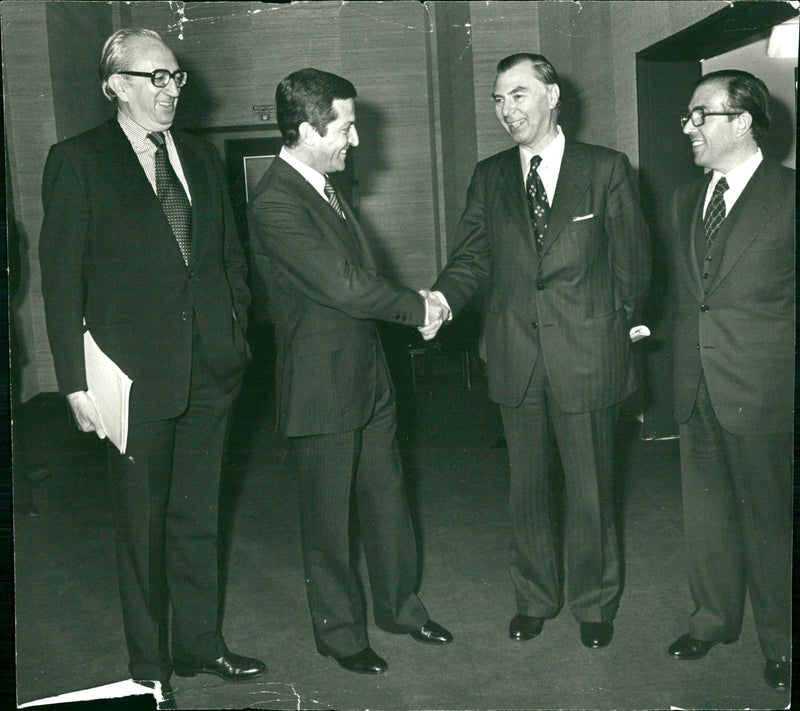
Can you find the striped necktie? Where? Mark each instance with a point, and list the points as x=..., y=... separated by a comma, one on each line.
x=333, y=198
x=715, y=212
x=173, y=197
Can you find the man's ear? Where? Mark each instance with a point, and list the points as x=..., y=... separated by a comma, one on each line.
x=744, y=122
x=553, y=95
x=119, y=85
x=308, y=134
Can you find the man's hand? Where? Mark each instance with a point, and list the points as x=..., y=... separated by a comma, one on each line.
x=87, y=418
x=437, y=312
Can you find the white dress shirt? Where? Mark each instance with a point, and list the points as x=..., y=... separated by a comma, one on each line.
x=550, y=166
x=145, y=151
x=737, y=181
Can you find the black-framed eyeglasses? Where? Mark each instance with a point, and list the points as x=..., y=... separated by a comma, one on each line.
x=698, y=116
x=161, y=77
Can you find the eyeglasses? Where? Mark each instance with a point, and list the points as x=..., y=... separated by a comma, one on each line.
x=161, y=77
x=698, y=116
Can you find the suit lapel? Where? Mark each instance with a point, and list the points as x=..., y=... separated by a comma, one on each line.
x=354, y=243
x=746, y=220
x=573, y=182
x=194, y=172
x=692, y=220
x=512, y=188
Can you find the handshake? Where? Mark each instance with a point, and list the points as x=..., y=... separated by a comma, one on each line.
x=437, y=313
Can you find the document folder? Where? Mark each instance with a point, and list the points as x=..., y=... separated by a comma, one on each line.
x=110, y=390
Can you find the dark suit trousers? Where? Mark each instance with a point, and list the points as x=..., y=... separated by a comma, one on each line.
x=166, y=491
x=537, y=431
x=737, y=518
x=348, y=480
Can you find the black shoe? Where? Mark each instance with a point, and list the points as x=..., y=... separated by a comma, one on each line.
x=524, y=627
x=687, y=647
x=778, y=674
x=164, y=695
x=432, y=633
x=230, y=666
x=363, y=662
x=596, y=634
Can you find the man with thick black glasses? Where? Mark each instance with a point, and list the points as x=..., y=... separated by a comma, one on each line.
x=734, y=257
x=139, y=248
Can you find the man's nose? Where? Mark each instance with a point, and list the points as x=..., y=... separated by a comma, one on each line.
x=352, y=137
x=172, y=88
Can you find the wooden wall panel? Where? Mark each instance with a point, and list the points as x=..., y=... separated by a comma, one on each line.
x=30, y=129
x=498, y=29
x=384, y=55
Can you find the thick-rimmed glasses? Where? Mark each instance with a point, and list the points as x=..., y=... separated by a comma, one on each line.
x=161, y=77
x=698, y=116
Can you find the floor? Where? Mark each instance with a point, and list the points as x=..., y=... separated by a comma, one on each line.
x=69, y=632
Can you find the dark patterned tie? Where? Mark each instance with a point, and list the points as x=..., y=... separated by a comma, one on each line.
x=538, y=206
x=715, y=212
x=173, y=198
x=333, y=198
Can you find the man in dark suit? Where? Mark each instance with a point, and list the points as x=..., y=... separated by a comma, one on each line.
x=139, y=242
x=554, y=228
x=334, y=393
x=734, y=256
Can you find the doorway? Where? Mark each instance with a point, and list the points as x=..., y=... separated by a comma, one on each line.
x=665, y=77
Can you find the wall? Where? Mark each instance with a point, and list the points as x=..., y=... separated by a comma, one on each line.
x=424, y=75
x=779, y=76
x=50, y=92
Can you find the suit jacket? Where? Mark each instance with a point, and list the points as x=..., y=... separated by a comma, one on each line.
x=738, y=327
x=108, y=255
x=572, y=307
x=324, y=293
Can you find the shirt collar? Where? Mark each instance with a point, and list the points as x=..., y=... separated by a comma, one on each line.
x=137, y=134
x=551, y=155
x=741, y=174
x=312, y=175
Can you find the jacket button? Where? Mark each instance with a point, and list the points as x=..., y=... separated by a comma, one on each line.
x=184, y=316
x=534, y=325
x=540, y=286
x=704, y=308
x=705, y=275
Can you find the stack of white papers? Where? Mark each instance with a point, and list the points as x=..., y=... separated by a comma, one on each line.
x=110, y=390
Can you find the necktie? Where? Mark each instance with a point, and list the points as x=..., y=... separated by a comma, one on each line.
x=538, y=206
x=173, y=198
x=333, y=198
x=715, y=212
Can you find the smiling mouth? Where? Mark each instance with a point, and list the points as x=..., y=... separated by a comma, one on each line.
x=514, y=125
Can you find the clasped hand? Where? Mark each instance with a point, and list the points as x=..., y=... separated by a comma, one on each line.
x=437, y=312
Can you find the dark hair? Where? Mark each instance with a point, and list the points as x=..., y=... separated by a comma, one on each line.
x=540, y=64
x=116, y=54
x=745, y=93
x=308, y=95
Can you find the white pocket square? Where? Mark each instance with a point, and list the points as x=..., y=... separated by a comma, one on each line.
x=583, y=217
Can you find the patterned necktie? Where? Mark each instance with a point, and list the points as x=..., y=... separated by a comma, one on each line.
x=715, y=212
x=538, y=206
x=173, y=198
x=333, y=198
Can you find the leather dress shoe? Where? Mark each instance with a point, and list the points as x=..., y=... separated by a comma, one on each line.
x=432, y=633
x=687, y=647
x=163, y=693
x=230, y=666
x=596, y=634
x=778, y=674
x=363, y=662
x=524, y=627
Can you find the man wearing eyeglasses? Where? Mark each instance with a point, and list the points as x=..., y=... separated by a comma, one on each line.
x=734, y=258
x=138, y=243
